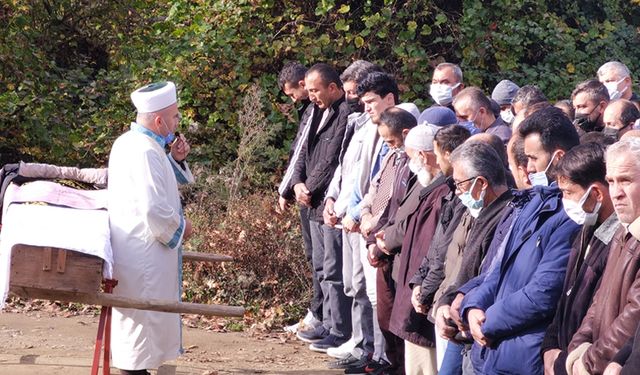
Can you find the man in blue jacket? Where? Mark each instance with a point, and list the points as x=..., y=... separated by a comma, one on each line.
x=516, y=297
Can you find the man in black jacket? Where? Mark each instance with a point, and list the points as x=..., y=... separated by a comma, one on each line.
x=311, y=178
x=581, y=177
x=291, y=82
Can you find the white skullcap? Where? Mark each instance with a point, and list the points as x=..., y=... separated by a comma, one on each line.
x=411, y=108
x=420, y=137
x=154, y=97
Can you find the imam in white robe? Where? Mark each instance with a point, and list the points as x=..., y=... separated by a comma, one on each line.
x=147, y=225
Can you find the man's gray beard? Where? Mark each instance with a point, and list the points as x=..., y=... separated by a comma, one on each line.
x=424, y=177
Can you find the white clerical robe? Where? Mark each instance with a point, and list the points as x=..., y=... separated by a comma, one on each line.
x=147, y=226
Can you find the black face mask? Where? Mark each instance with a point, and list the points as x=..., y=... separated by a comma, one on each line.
x=584, y=122
x=355, y=105
x=611, y=132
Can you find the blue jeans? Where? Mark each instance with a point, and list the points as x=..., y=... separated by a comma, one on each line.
x=452, y=361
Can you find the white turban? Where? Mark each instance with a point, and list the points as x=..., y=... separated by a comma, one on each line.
x=411, y=108
x=154, y=97
x=421, y=137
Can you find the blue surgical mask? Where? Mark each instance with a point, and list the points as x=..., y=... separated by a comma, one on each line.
x=170, y=136
x=469, y=126
x=540, y=178
x=475, y=119
x=474, y=205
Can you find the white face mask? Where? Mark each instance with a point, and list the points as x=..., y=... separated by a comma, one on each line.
x=442, y=93
x=612, y=88
x=540, y=178
x=507, y=116
x=576, y=213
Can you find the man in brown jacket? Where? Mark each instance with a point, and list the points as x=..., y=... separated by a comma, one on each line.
x=613, y=316
x=419, y=350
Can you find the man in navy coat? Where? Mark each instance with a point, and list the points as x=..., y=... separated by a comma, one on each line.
x=516, y=296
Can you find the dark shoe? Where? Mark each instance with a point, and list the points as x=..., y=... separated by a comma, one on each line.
x=378, y=367
x=313, y=334
x=360, y=366
x=330, y=341
x=134, y=372
x=343, y=363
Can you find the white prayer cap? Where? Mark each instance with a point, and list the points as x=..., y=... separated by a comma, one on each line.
x=420, y=137
x=154, y=97
x=411, y=108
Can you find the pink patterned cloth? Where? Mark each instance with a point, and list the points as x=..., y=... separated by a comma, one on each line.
x=56, y=194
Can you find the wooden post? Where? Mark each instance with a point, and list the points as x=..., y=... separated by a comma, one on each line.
x=62, y=261
x=104, y=299
x=168, y=306
x=192, y=256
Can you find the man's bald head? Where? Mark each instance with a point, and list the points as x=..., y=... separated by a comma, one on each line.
x=493, y=141
x=620, y=114
x=635, y=133
x=474, y=97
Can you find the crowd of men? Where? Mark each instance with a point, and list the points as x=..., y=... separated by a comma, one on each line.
x=483, y=235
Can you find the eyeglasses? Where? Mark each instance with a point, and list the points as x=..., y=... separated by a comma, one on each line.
x=457, y=184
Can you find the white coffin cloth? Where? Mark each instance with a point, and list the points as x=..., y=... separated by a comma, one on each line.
x=82, y=230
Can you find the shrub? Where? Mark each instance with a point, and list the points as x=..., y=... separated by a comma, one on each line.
x=270, y=275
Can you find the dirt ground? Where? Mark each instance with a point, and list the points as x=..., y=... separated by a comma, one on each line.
x=37, y=343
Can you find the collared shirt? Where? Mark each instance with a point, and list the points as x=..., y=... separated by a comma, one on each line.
x=141, y=129
x=501, y=129
x=180, y=169
x=634, y=228
x=323, y=121
x=607, y=229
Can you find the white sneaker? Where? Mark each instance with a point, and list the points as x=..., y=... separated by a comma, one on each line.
x=292, y=328
x=308, y=321
x=342, y=351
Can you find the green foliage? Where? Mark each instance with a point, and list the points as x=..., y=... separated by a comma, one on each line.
x=60, y=93
x=67, y=67
x=552, y=44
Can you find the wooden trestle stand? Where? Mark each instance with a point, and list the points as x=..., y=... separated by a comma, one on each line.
x=69, y=276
